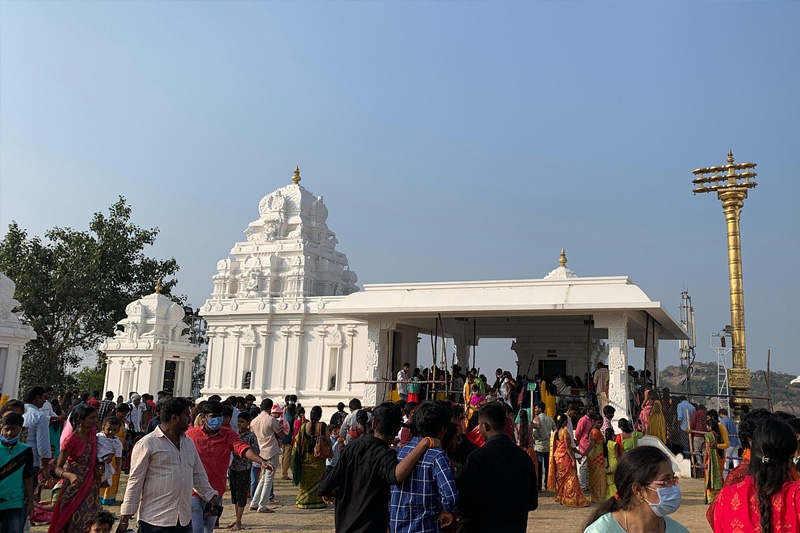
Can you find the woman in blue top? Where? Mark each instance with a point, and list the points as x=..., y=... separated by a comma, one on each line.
x=647, y=491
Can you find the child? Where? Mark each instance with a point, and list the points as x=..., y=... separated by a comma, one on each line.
x=404, y=437
x=336, y=442
x=239, y=472
x=109, y=447
x=227, y=416
x=43, y=511
x=101, y=521
x=16, y=463
x=362, y=419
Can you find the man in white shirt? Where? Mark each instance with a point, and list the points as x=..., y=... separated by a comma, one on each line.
x=269, y=431
x=600, y=380
x=350, y=420
x=38, y=430
x=47, y=407
x=138, y=414
x=402, y=381
x=165, y=467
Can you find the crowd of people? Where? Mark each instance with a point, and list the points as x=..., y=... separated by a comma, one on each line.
x=441, y=458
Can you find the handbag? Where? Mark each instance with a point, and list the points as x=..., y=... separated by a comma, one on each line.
x=323, y=448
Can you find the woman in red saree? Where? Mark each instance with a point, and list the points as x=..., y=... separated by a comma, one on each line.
x=565, y=473
x=767, y=500
x=525, y=439
x=78, y=466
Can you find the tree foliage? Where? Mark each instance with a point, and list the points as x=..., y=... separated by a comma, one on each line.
x=73, y=286
x=90, y=379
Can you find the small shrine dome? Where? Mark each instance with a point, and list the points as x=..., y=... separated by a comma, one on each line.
x=154, y=316
x=562, y=272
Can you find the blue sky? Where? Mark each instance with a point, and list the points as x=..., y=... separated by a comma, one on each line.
x=451, y=140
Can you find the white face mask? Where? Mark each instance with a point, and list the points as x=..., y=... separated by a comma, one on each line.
x=669, y=499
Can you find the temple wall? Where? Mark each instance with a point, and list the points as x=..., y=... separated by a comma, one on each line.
x=274, y=353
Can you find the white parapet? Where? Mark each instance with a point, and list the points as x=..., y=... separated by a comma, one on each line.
x=680, y=464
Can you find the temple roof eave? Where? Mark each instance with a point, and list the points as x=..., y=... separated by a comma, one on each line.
x=557, y=297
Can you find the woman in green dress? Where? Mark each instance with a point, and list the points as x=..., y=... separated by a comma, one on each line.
x=711, y=470
x=629, y=438
x=611, y=462
x=307, y=470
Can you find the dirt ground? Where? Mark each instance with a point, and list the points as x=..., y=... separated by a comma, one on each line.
x=549, y=517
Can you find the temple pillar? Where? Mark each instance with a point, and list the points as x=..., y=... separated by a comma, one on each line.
x=463, y=352
x=377, y=360
x=524, y=351
x=618, y=390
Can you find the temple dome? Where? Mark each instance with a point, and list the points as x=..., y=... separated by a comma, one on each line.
x=155, y=316
x=562, y=272
x=290, y=251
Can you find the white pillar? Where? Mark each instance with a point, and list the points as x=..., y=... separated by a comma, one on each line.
x=351, y=333
x=286, y=332
x=618, y=391
x=322, y=332
x=462, y=353
x=298, y=357
x=261, y=361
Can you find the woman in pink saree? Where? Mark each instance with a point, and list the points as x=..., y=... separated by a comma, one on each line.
x=78, y=466
x=647, y=407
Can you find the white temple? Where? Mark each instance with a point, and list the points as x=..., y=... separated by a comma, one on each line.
x=285, y=317
x=269, y=332
x=13, y=337
x=149, y=352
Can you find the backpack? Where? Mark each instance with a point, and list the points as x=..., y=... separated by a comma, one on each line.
x=323, y=448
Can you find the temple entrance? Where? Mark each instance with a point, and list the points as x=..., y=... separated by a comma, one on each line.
x=170, y=368
x=552, y=367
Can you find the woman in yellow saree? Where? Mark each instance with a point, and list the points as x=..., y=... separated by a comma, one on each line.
x=548, y=392
x=597, y=462
x=565, y=471
x=658, y=424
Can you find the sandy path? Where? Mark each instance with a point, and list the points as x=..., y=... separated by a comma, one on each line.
x=549, y=517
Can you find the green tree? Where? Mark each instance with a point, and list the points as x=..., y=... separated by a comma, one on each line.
x=90, y=379
x=74, y=285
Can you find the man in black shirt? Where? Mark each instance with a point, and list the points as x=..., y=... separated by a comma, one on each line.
x=359, y=483
x=499, y=480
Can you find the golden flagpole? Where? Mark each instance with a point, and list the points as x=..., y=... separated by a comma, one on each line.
x=731, y=183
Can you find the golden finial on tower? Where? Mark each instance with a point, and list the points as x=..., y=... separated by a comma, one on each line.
x=730, y=157
x=296, y=176
x=563, y=259
x=159, y=287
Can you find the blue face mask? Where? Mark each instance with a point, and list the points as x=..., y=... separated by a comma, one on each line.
x=10, y=441
x=669, y=499
x=215, y=423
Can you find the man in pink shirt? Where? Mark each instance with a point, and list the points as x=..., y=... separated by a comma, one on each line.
x=214, y=445
x=582, y=440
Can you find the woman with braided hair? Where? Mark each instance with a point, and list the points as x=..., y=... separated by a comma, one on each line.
x=563, y=471
x=767, y=500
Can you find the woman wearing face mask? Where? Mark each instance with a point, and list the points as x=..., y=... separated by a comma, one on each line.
x=774, y=497
x=647, y=491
